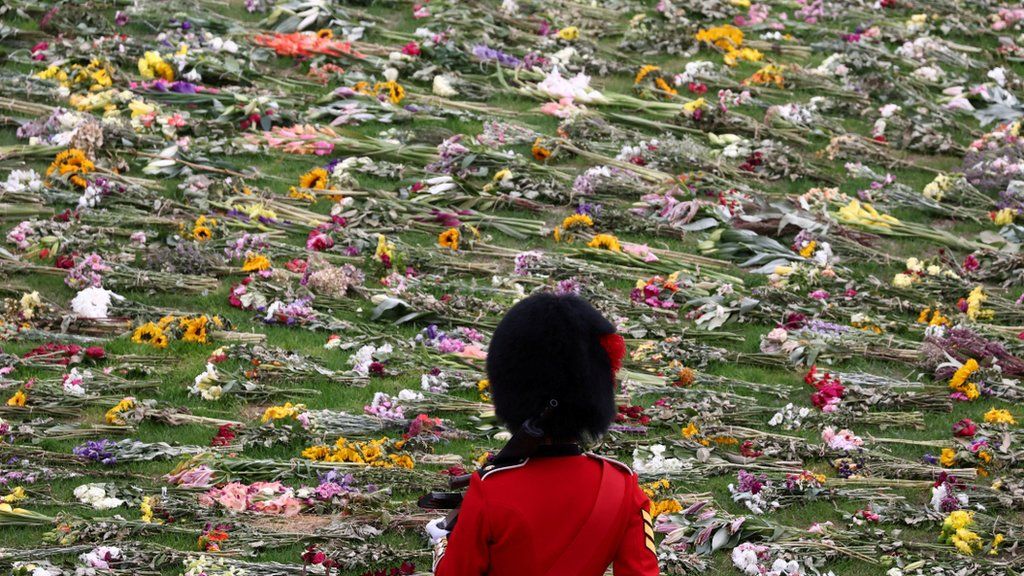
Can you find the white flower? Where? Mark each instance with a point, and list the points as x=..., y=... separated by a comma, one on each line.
x=575, y=88
x=407, y=395
x=95, y=495
x=998, y=74
x=206, y=384
x=101, y=557
x=93, y=302
x=888, y=110
x=23, y=181
x=443, y=87
x=902, y=280
x=391, y=75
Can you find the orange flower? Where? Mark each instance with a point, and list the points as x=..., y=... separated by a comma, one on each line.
x=305, y=44
x=540, y=153
x=449, y=239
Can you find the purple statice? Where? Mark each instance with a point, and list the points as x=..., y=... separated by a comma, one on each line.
x=826, y=328
x=97, y=451
x=488, y=54
x=333, y=484
x=592, y=210
x=568, y=286
x=450, y=155
x=524, y=261
x=441, y=341
x=247, y=243
x=298, y=311
x=87, y=272
x=751, y=483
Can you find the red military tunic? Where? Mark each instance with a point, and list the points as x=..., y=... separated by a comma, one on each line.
x=518, y=520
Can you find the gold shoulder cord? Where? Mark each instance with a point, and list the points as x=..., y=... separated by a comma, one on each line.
x=439, y=550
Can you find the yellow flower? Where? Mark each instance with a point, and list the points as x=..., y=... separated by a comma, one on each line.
x=996, y=541
x=384, y=248
x=325, y=33
x=770, y=74
x=667, y=506
x=195, y=330
x=256, y=211
x=256, y=262
x=18, y=399
x=1000, y=416
x=664, y=87
x=865, y=215
x=152, y=65
x=743, y=54
x=808, y=250
x=692, y=106
x=690, y=431
x=484, y=388
x=113, y=416
x=962, y=373
x=289, y=410
x=315, y=178
x=146, y=509
x=569, y=33
x=605, y=242
x=150, y=333
x=577, y=221
x=975, y=299
x=1004, y=217
x=74, y=162
x=449, y=239
x=17, y=494
x=202, y=233
x=726, y=37
x=644, y=71
x=948, y=457
x=394, y=90
x=502, y=175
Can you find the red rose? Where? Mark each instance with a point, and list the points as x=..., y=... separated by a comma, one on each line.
x=965, y=428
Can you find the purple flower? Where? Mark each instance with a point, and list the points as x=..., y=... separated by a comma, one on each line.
x=120, y=18
x=97, y=451
x=487, y=54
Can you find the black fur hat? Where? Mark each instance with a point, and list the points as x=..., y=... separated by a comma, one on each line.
x=549, y=347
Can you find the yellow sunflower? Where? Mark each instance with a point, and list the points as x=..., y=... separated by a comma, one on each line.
x=449, y=239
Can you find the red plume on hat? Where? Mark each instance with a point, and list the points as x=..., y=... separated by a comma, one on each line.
x=615, y=346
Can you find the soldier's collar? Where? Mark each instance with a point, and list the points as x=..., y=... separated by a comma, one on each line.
x=567, y=449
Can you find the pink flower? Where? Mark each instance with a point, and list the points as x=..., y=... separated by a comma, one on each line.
x=233, y=496
x=199, y=477
x=561, y=109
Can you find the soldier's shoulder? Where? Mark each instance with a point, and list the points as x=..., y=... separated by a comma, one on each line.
x=614, y=462
x=490, y=470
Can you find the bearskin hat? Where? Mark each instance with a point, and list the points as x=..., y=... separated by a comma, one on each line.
x=555, y=347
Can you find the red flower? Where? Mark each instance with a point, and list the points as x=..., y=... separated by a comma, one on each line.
x=971, y=263
x=411, y=49
x=748, y=450
x=96, y=352
x=64, y=262
x=965, y=428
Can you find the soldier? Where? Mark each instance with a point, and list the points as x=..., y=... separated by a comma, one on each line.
x=560, y=511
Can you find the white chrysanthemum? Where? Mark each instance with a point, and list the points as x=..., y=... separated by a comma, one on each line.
x=443, y=87
x=93, y=302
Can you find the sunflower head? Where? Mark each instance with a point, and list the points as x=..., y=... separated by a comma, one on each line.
x=315, y=178
x=449, y=239
x=202, y=233
x=325, y=33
